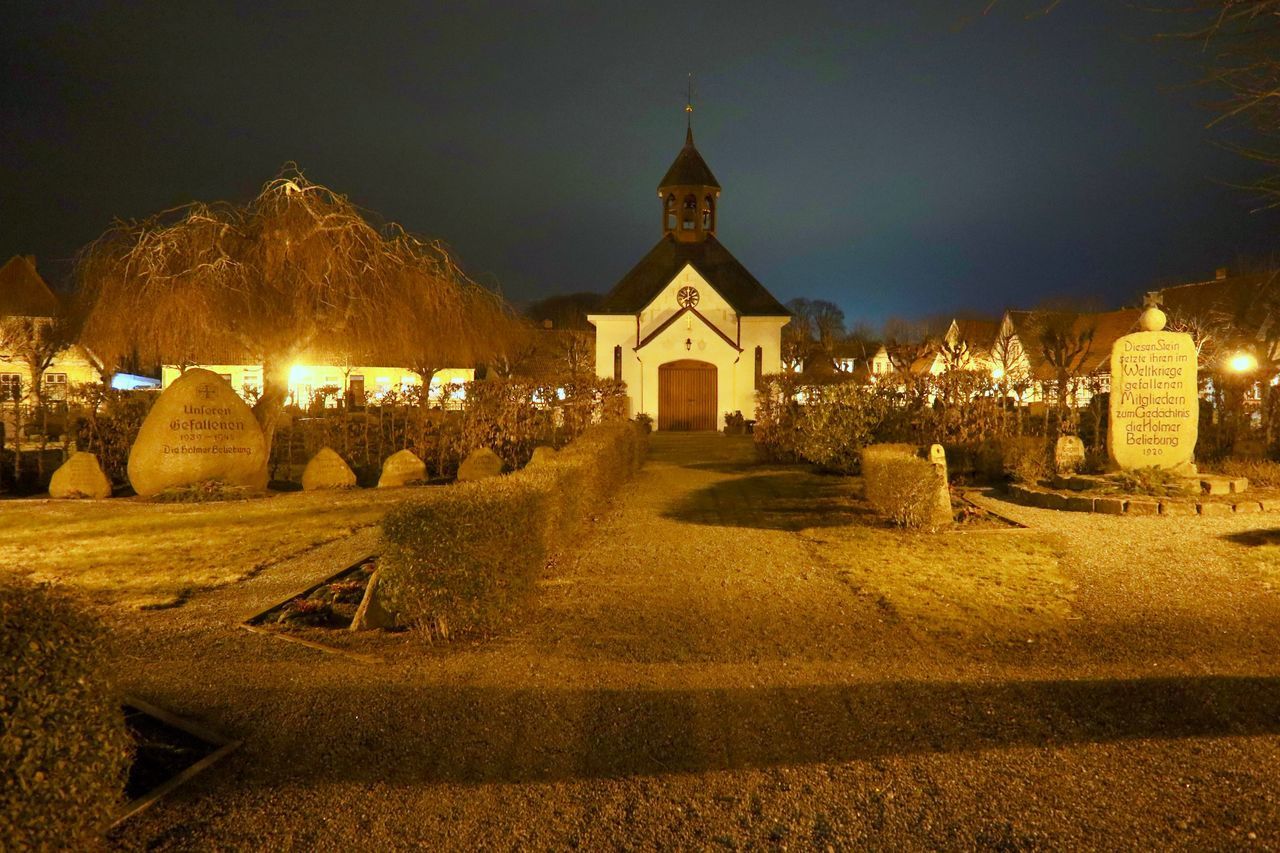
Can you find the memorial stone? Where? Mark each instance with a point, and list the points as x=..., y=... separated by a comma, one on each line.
x=1068, y=454
x=942, y=514
x=541, y=455
x=327, y=470
x=1155, y=407
x=480, y=464
x=402, y=468
x=198, y=430
x=80, y=477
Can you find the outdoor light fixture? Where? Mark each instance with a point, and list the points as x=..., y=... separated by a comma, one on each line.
x=997, y=373
x=688, y=343
x=1243, y=362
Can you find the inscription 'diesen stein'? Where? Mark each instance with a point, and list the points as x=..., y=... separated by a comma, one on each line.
x=1154, y=402
x=1155, y=408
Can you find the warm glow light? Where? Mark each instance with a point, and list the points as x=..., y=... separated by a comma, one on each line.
x=997, y=373
x=1243, y=362
x=296, y=374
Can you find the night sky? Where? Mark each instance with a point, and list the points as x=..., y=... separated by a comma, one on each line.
x=902, y=158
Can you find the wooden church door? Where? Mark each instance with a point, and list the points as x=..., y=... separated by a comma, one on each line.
x=687, y=395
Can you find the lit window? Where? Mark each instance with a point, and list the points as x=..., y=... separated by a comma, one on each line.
x=55, y=387
x=10, y=386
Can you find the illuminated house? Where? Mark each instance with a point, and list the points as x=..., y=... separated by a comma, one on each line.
x=25, y=296
x=688, y=329
x=328, y=379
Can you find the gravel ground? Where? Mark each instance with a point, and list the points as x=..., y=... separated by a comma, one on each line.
x=734, y=657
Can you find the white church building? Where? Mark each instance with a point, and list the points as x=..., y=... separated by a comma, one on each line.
x=689, y=329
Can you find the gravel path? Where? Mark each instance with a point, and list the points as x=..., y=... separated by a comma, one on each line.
x=701, y=673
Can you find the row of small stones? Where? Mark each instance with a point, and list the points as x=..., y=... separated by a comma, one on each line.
x=1044, y=499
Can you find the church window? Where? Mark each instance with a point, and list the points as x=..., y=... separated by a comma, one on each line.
x=617, y=363
x=671, y=212
x=708, y=213
x=689, y=220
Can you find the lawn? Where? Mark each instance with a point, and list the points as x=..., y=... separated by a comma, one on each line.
x=147, y=554
x=984, y=586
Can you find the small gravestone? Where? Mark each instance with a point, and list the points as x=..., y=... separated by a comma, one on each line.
x=402, y=468
x=480, y=464
x=542, y=455
x=327, y=470
x=198, y=430
x=1155, y=406
x=942, y=509
x=1068, y=454
x=372, y=612
x=80, y=477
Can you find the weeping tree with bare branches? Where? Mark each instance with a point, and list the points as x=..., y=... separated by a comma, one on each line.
x=299, y=271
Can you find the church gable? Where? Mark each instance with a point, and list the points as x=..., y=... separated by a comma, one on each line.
x=720, y=269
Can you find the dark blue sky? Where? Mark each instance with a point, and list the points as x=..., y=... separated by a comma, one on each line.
x=901, y=158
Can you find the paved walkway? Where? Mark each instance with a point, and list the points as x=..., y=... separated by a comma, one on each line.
x=736, y=655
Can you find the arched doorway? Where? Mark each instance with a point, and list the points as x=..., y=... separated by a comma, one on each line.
x=687, y=395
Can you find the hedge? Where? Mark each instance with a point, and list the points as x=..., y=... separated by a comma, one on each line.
x=64, y=750
x=902, y=486
x=458, y=559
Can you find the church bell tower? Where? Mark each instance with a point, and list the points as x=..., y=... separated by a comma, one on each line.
x=689, y=194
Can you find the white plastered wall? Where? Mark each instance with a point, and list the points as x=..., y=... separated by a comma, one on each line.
x=689, y=338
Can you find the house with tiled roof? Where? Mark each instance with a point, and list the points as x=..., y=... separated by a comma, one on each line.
x=26, y=304
x=689, y=329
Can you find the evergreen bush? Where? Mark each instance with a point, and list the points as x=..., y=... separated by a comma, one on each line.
x=900, y=485
x=458, y=559
x=64, y=750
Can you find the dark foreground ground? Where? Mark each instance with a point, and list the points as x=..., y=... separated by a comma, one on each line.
x=737, y=656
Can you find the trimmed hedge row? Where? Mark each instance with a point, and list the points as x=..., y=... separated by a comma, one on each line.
x=64, y=750
x=457, y=559
x=903, y=487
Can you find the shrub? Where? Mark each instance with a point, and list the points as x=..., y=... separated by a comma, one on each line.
x=903, y=487
x=1263, y=473
x=64, y=749
x=459, y=558
x=1025, y=459
x=837, y=421
x=1158, y=482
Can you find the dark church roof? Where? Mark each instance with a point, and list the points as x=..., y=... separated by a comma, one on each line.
x=689, y=169
x=23, y=292
x=712, y=261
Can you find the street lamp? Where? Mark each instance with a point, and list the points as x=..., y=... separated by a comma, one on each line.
x=1243, y=362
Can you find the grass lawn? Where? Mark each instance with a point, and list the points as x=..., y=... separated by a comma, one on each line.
x=147, y=554
x=989, y=585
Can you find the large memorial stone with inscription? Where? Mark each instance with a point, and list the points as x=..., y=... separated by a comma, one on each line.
x=1155, y=407
x=198, y=430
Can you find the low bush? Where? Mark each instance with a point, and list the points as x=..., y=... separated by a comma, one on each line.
x=458, y=559
x=1263, y=473
x=1025, y=459
x=64, y=750
x=903, y=487
x=1153, y=481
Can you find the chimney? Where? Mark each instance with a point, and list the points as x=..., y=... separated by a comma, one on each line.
x=1220, y=273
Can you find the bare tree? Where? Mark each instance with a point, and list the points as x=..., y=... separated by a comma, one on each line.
x=1065, y=340
x=299, y=268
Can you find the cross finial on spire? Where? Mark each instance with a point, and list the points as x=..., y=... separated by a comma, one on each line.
x=688, y=105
